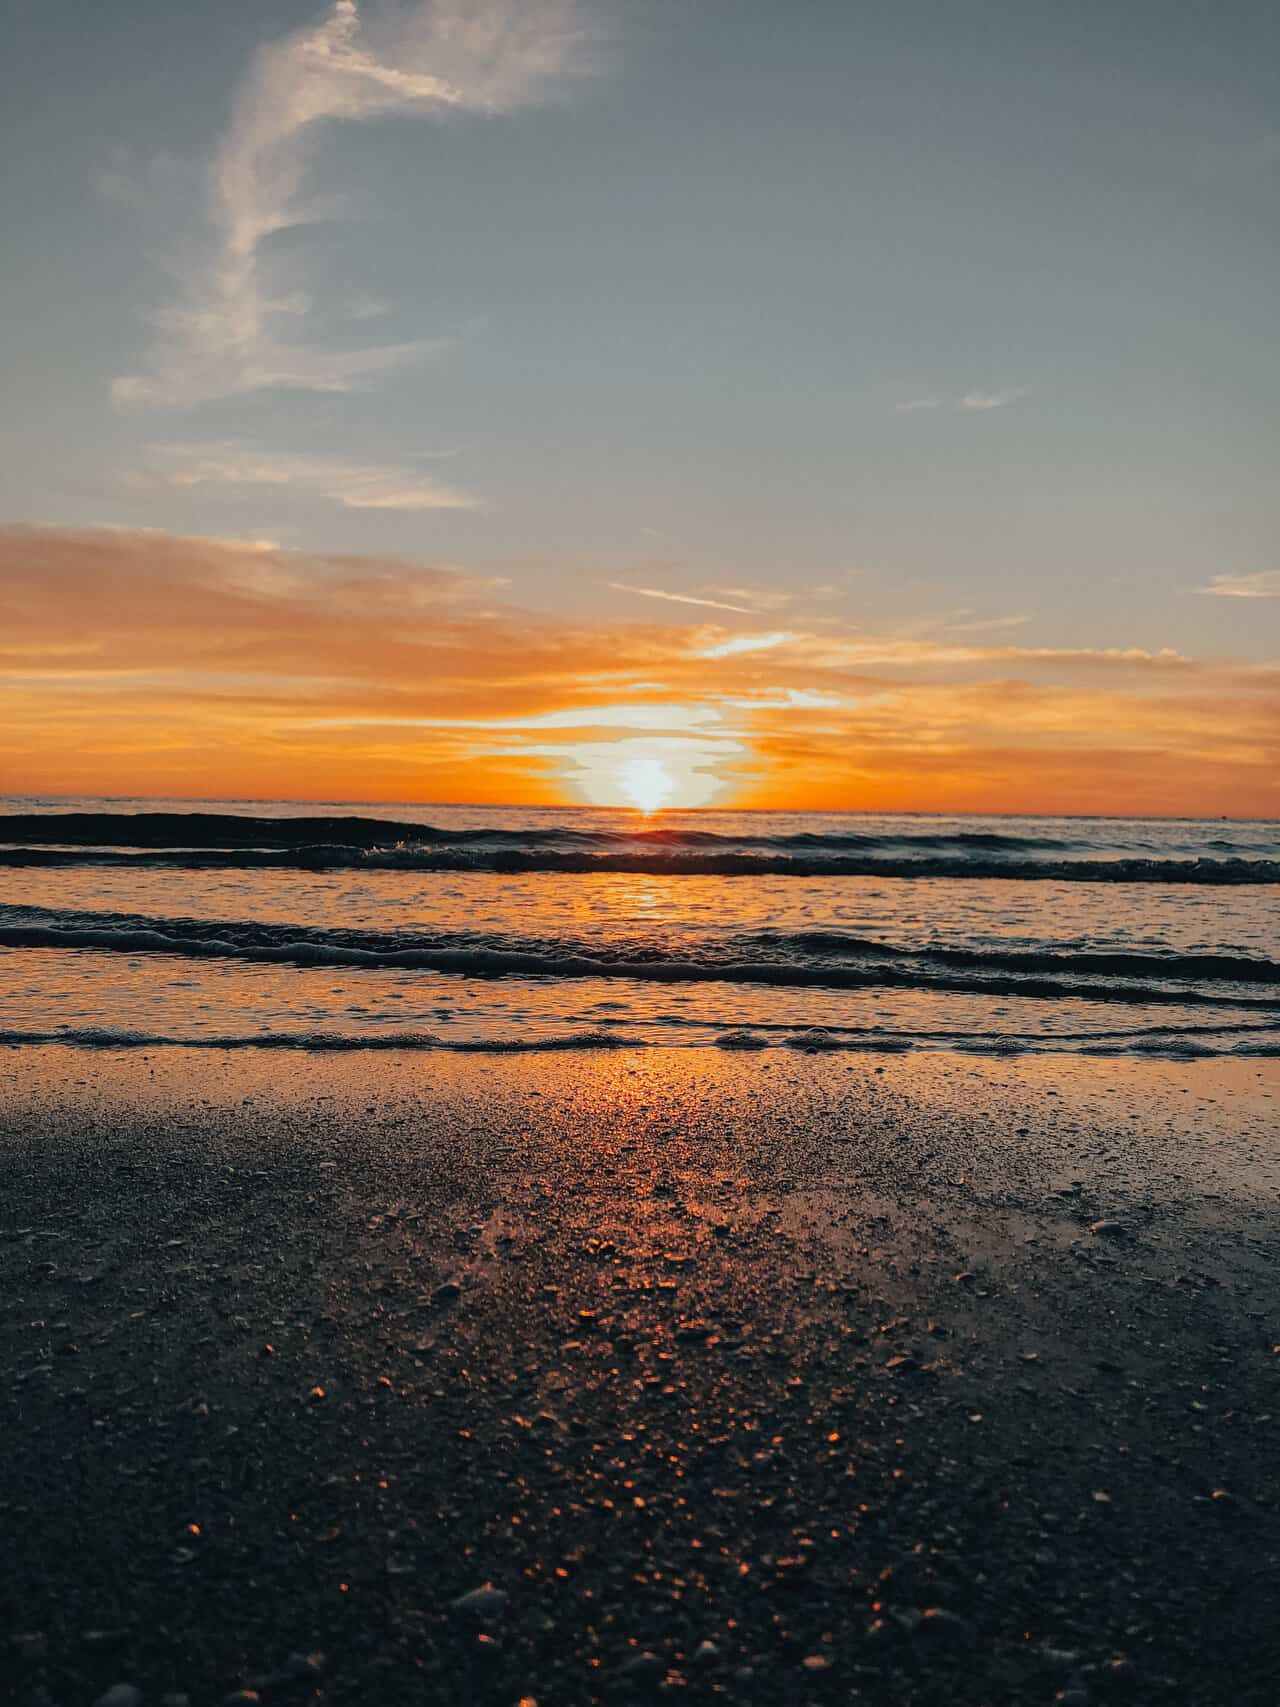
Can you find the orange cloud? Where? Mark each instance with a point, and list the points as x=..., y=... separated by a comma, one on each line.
x=149, y=664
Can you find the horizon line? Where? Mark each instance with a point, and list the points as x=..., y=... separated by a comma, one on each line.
x=667, y=811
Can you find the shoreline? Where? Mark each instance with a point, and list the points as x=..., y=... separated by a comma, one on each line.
x=918, y=1378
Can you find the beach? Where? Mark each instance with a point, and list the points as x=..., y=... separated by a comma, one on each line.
x=640, y=855
x=596, y=1375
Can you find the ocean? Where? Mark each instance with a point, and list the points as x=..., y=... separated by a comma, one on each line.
x=331, y=926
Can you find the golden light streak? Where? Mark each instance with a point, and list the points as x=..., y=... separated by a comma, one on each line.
x=138, y=663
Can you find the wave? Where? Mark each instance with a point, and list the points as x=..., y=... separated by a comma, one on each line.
x=660, y=863
x=234, y=830
x=1039, y=974
x=813, y=1041
x=1231, y=968
x=907, y=848
x=100, y=1037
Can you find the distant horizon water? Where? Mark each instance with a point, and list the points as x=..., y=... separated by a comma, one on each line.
x=290, y=804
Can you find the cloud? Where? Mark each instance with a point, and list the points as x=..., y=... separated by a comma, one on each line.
x=971, y=402
x=982, y=400
x=740, y=643
x=791, y=699
x=1264, y=585
x=664, y=717
x=990, y=624
x=758, y=598
x=366, y=307
x=899, y=652
x=678, y=598
x=356, y=486
x=137, y=662
x=224, y=335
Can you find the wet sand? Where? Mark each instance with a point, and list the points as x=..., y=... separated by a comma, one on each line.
x=614, y=1376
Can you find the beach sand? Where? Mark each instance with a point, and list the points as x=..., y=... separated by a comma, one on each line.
x=762, y=1378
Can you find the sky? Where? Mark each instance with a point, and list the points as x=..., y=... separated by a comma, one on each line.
x=824, y=405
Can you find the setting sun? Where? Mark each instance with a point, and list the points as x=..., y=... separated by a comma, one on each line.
x=646, y=784
x=651, y=773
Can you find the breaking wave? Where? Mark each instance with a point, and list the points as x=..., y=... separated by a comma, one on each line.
x=1196, y=1043
x=825, y=960
x=1058, y=850
x=510, y=861
x=99, y=1037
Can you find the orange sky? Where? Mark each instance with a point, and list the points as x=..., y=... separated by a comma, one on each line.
x=136, y=663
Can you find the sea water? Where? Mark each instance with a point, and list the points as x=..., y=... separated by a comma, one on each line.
x=337, y=925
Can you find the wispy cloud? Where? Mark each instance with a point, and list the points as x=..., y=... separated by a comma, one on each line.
x=664, y=717
x=741, y=643
x=678, y=598
x=224, y=335
x=977, y=401
x=899, y=652
x=974, y=402
x=790, y=699
x=989, y=624
x=356, y=486
x=367, y=308
x=757, y=598
x=1265, y=585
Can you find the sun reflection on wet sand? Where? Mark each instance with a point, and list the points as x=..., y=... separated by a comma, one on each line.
x=737, y=1329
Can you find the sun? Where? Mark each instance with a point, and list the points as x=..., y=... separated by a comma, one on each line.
x=648, y=773
x=646, y=783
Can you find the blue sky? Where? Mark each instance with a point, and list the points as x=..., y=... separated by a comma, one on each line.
x=926, y=321
x=704, y=308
